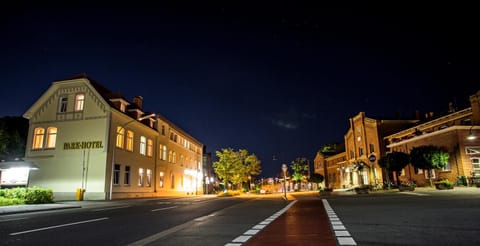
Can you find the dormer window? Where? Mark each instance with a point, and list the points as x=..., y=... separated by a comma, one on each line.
x=120, y=104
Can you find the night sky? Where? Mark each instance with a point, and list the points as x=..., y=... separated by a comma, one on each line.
x=276, y=79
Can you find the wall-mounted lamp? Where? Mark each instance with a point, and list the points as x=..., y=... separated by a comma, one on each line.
x=471, y=136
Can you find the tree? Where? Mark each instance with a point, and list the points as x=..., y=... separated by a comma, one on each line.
x=13, y=135
x=429, y=157
x=227, y=165
x=394, y=162
x=299, y=167
x=316, y=178
x=236, y=166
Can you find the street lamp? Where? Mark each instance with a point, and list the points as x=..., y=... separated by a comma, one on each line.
x=284, y=169
x=114, y=147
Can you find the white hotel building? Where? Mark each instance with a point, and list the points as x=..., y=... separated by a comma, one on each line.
x=90, y=141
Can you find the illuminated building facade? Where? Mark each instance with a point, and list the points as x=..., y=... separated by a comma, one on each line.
x=84, y=137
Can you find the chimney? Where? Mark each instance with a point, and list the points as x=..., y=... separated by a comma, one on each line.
x=138, y=100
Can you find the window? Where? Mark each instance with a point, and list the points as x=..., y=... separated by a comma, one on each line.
x=172, y=180
x=182, y=160
x=129, y=144
x=120, y=137
x=161, y=180
x=149, y=147
x=476, y=167
x=116, y=175
x=149, y=178
x=140, y=176
x=164, y=157
x=62, y=104
x=372, y=148
x=174, y=157
x=51, y=137
x=170, y=156
x=143, y=143
x=38, y=138
x=360, y=151
x=126, y=177
x=163, y=130
x=79, y=102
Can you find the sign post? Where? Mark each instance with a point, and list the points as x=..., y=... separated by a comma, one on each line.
x=284, y=169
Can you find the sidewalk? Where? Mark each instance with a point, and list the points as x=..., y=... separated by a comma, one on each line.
x=305, y=223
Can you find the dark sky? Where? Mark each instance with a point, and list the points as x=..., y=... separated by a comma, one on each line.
x=277, y=79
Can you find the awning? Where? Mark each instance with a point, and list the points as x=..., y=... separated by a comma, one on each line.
x=17, y=164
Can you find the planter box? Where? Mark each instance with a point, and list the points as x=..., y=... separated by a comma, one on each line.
x=406, y=188
x=362, y=190
x=443, y=187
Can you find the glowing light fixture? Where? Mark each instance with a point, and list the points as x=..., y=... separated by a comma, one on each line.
x=471, y=136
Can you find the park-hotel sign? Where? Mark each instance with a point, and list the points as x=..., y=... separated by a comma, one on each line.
x=83, y=145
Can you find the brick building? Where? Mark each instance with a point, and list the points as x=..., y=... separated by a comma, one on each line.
x=457, y=132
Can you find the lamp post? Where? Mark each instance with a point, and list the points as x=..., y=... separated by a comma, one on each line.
x=114, y=147
x=284, y=169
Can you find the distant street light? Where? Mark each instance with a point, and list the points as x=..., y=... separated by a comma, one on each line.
x=284, y=169
x=114, y=147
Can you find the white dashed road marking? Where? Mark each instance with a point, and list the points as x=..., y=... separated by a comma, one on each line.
x=343, y=236
x=257, y=228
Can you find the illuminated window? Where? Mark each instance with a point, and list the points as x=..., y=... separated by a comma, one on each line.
x=164, y=156
x=116, y=175
x=149, y=178
x=174, y=157
x=51, y=137
x=161, y=179
x=120, y=136
x=140, y=176
x=149, y=147
x=129, y=144
x=170, y=156
x=476, y=166
x=79, y=102
x=62, y=104
x=143, y=143
x=38, y=138
x=126, y=177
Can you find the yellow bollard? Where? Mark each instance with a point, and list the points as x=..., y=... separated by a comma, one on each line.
x=79, y=194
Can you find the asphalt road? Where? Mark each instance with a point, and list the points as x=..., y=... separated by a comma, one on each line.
x=423, y=217
x=186, y=221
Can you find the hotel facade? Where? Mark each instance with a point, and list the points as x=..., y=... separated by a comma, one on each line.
x=87, y=139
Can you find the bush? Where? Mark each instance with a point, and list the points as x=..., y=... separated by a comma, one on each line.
x=19, y=195
x=37, y=195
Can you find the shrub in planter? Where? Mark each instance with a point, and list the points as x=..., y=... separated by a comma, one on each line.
x=444, y=185
x=363, y=189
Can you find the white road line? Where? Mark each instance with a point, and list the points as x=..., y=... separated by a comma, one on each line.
x=341, y=233
x=110, y=208
x=257, y=228
x=57, y=226
x=13, y=219
x=413, y=193
x=158, y=209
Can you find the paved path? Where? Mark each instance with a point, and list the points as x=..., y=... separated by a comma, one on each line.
x=305, y=223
